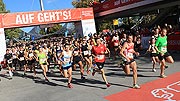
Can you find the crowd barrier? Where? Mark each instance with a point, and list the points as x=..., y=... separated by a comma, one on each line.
x=174, y=42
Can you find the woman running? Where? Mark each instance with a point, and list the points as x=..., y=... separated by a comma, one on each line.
x=77, y=59
x=153, y=53
x=42, y=58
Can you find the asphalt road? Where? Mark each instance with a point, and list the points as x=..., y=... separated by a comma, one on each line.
x=91, y=89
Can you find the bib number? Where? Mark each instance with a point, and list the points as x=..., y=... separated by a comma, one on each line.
x=130, y=55
x=9, y=61
x=42, y=60
x=116, y=44
x=14, y=56
x=85, y=52
x=100, y=57
x=21, y=58
x=75, y=52
x=164, y=49
x=31, y=55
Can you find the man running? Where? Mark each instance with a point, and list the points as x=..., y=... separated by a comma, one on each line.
x=67, y=64
x=99, y=52
x=127, y=52
x=161, y=47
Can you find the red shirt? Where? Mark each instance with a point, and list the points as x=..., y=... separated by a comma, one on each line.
x=99, y=52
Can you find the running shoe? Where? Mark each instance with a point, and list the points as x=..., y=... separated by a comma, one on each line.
x=108, y=85
x=136, y=86
x=93, y=73
x=154, y=70
x=163, y=76
x=166, y=66
x=46, y=79
x=83, y=78
x=69, y=85
x=88, y=72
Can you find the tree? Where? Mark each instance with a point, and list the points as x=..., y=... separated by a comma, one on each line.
x=12, y=33
x=55, y=28
x=9, y=33
x=84, y=3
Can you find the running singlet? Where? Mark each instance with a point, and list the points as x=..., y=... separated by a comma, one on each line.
x=129, y=51
x=76, y=51
x=42, y=58
x=116, y=40
x=161, y=44
x=67, y=59
x=84, y=49
x=21, y=56
x=99, y=52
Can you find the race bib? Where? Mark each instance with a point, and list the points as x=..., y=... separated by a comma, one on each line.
x=164, y=49
x=14, y=56
x=31, y=55
x=9, y=61
x=76, y=52
x=21, y=58
x=42, y=60
x=85, y=52
x=67, y=61
x=130, y=55
x=100, y=57
x=116, y=44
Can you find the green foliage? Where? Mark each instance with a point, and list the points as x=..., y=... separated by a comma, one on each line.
x=55, y=28
x=83, y=3
x=2, y=7
x=42, y=32
x=12, y=33
x=105, y=24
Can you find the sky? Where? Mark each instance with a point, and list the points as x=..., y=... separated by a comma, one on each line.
x=34, y=5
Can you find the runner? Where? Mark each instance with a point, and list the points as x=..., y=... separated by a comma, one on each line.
x=42, y=58
x=163, y=55
x=15, y=58
x=8, y=59
x=153, y=53
x=127, y=52
x=22, y=60
x=67, y=64
x=86, y=56
x=31, y=61
x=115, y=41
x=77, y=59
x=99, y=52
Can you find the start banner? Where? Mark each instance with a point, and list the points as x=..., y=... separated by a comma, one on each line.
x=45, y=17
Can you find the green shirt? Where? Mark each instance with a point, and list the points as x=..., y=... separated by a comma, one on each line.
x=42, y=58
x=161, y=44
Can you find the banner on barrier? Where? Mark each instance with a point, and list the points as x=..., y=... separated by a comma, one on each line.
x=145, y=42
x=3, y=44
x=174, y=42
x=88, y=27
